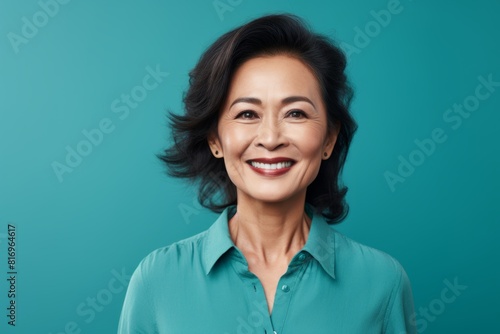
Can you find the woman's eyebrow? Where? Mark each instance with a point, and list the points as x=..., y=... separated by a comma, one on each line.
x=286, y=100
x=252, y=100
x=297, y=98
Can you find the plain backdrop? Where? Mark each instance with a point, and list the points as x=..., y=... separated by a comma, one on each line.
x=84, y=89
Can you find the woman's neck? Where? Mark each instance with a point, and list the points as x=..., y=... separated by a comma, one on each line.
x=270, y=232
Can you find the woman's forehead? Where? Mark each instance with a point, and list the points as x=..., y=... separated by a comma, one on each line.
x=273, y=78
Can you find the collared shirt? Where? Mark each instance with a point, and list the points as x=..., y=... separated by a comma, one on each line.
x=202, y=285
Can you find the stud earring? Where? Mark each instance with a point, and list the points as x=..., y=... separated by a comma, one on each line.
x=216, y=152
x=325, y=154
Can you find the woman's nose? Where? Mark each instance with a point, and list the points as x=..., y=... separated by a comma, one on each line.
x=270, y=135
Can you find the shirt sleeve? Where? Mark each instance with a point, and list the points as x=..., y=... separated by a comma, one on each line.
x=400, y=318
x=137, y=316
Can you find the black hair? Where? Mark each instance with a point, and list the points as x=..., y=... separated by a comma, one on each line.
x=190, y=157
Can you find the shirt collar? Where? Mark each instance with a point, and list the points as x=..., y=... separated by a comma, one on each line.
x=218, y=239
x=320, y=242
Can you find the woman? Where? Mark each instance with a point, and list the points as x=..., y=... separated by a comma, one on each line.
x=265, y=134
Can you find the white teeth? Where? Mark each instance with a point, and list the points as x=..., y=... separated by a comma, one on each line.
x=279, y=165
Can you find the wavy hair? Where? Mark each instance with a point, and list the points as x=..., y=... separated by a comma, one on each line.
x=190, y=157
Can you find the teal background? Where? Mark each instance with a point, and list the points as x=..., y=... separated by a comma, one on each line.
x=441, y=223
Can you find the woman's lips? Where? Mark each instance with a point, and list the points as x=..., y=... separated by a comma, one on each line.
x=271, y=167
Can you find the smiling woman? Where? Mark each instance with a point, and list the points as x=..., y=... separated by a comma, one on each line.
x=272, y=133
x=267, y=110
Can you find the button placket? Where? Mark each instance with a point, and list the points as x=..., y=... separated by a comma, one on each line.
x=285, y=291
x=258, y=317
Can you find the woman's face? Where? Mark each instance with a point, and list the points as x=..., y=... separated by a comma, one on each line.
x=272, y=131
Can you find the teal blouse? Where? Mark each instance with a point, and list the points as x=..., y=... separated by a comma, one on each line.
x=202, y=285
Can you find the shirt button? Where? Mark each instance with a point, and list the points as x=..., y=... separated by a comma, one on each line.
x=285, y=288
x=302, y=256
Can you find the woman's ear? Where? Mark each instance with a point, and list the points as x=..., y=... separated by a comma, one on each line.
x=330, y=140
x=214, y=144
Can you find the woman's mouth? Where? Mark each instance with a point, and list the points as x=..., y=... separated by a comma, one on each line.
x=279, y=165
x=271, y=167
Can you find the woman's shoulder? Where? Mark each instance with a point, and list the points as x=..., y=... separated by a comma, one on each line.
x=169, y=259
x=358, y=257
x=194, y=254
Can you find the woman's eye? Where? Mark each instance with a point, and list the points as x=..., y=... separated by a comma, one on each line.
x=247, y=114
x=296, y=114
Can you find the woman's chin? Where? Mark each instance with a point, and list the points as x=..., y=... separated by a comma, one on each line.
x=272, y=196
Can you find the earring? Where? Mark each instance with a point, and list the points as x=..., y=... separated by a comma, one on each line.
x=216, y=152
x=325, y=154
